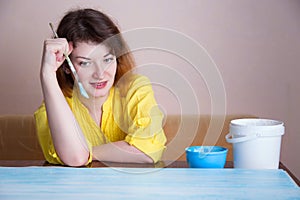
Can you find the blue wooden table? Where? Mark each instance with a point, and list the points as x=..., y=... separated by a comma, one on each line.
x=143, y=183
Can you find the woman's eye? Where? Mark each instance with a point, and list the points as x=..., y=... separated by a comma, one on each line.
x=109, y=59
x=84, y=63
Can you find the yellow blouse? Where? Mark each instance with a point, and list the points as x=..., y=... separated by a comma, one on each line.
x=130, y=113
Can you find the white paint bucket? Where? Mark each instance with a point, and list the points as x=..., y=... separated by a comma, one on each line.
x=256, y=143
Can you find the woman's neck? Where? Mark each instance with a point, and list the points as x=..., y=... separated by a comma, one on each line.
x=94, y=106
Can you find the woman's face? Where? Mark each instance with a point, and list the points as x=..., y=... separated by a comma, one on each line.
x=96, y=68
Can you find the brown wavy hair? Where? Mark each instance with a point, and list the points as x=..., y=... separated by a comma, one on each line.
x=89, y=25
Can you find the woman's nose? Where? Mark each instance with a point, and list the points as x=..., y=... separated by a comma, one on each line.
x=98, y=71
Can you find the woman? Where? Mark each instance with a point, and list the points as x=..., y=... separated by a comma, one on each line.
x=120, y=121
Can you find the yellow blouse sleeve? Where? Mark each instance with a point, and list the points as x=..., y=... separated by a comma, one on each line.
x=145, y=130
x=45, y=139
x=44, y=136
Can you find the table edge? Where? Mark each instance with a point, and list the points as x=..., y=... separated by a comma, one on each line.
x=97, y=164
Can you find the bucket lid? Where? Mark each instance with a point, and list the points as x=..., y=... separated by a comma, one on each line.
x=255, y=126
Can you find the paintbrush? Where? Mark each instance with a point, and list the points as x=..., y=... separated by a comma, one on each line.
x=81, y=88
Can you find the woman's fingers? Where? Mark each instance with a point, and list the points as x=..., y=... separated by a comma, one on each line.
x=54, y=50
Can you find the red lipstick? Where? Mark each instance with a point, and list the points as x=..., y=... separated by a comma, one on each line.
x=99, y=85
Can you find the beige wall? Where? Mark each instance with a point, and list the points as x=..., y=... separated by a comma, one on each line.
x=255, y=45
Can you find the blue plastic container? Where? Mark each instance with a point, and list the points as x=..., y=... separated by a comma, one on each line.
x=206, y=156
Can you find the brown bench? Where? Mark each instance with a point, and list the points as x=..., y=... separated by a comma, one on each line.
x=18, y=140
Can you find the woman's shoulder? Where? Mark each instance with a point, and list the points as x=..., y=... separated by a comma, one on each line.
x=133, y=84
x=138, y=80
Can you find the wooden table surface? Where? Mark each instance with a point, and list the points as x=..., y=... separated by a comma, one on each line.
x=116, y=182
x=96, y=164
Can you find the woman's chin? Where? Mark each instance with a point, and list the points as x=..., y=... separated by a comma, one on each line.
x=100, y=93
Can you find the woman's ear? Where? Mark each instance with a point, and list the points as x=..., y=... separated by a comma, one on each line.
x=70, y=47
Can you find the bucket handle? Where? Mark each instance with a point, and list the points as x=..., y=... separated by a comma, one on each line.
x=230, y=139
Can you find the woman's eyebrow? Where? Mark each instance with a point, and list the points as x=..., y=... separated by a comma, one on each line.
x=108, y=54
x=82, y=57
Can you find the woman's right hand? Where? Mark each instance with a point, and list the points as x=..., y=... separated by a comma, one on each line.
x=53, y=55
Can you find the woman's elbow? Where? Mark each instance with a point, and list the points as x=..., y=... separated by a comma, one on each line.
x=76, y=161
x=147, y=160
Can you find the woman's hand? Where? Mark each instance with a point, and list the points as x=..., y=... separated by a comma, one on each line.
x=53, y=54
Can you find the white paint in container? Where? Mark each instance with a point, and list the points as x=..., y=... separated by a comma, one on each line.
x=256, y=143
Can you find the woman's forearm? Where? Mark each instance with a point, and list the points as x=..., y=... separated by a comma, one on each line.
x=67, y=137
x=120, y=151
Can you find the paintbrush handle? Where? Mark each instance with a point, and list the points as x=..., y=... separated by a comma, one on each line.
x=81, y=88
x=54, y=32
